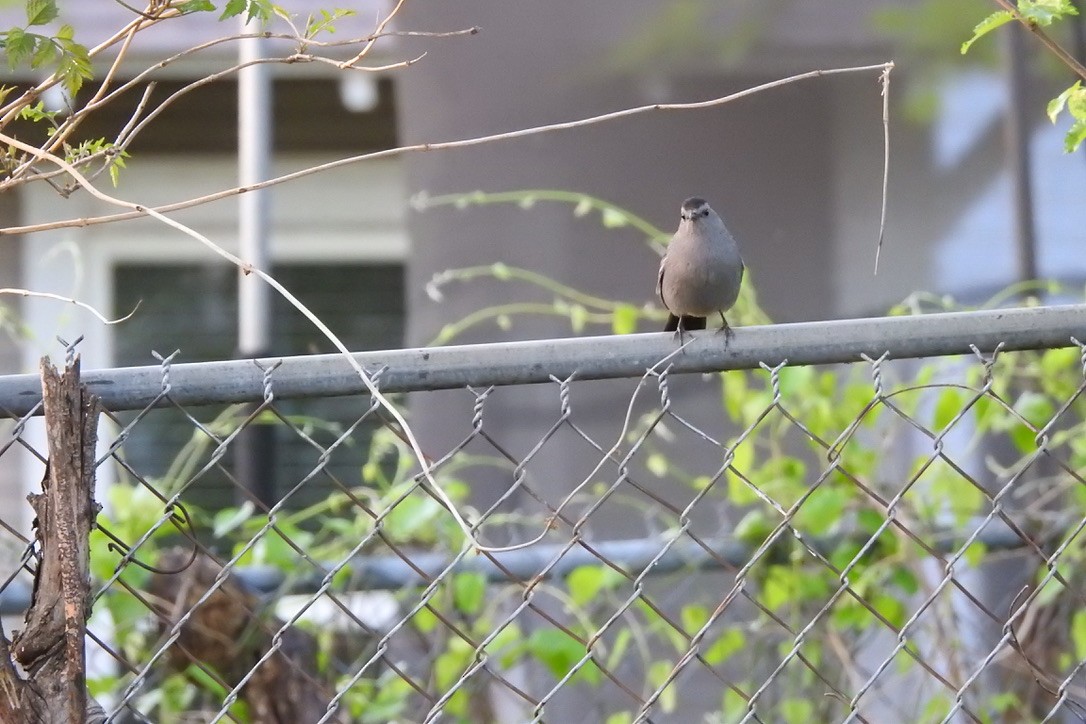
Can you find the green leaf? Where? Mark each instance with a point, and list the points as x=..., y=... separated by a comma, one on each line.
x=1078, y=633
x=613, y=218
x=974, y=554
x=822, y=510
x=657, y=675
x=734, y=390
x=324, y=24
x=425, y=620
x=624, y=319
x=990, y=23
x=1075, y=137
x=1045, y=12
x=1074, y=100
x=413, y=518
x=228, y=519
x=233, y=8
x=1057, y=104
x=36, y=112
x=1055, y=362
x=657, y=465
x=779, y=587
x=40, y=12
x=1037, y=410
x=585, y=582
x=578, y=317
x=796, y=710
x=797, y=381
x=74, y=67
x=18, y=45
x=560, y=653
x=45, y=54
x=905, y=580
x=870, y=520
x=450, y=665
x=693, y=617
x=848, y=614
x=115, y=166
x=469, y=592
x=196, y=6
x=730, y=642
x=947, y=407
x=892, y=609
x=753, y=528
x=739, y=492
x=507, y=645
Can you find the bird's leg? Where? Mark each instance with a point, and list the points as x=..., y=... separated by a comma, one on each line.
x=726, y=329
x=680, y=328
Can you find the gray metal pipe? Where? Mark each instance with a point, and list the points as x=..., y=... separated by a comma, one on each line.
x=391, y=573
x=586, y=358
x=254, y=164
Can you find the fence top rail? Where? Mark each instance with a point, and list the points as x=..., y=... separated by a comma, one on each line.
x=582, y=358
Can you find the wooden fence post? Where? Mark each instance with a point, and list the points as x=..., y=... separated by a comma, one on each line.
x=43, y=669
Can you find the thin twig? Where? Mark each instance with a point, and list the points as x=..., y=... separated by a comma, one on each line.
x=1065, y=57
x=12, y=109
x=46, y=295
x=248, y=268
x=884, y=79
x=436, y=146
x=369, y=45
x=62, y=134
x=123, y=136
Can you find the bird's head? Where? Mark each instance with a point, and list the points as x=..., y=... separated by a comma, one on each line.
x=695, y=208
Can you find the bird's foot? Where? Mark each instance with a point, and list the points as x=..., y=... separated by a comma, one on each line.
x=726, y=329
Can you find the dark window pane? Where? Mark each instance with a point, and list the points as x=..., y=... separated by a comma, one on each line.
x=194, y=308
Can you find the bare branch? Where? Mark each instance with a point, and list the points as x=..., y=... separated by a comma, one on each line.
x=436, y=146
x=369, y=45
x=47, y=295
x=247, y=268
x=885, y=80
x=1065, y=57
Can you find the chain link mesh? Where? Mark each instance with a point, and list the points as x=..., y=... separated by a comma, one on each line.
x=883, y=541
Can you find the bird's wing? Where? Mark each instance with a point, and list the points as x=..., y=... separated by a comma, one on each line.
x=660, y=283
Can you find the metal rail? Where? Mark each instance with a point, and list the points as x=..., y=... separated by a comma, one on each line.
x=586, y=358
x=392, y=573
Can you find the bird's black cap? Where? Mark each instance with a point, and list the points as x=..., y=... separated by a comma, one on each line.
x=694, y=203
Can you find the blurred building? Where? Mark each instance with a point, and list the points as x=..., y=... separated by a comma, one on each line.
x=796, y=171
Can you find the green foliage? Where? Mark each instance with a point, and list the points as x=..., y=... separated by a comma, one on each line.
x=1036, y=12
x=324, y=22
x=811, y=457
x=1043, y=13
x=262, y=10
x=23, y=47
x=196, y=6
x=990, y=23
x=1074, y=100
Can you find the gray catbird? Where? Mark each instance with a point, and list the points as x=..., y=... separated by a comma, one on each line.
x=701, y=271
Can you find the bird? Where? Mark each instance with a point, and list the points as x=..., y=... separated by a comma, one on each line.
x=701, y=271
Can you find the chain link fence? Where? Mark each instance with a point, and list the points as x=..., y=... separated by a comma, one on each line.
x=727, y=532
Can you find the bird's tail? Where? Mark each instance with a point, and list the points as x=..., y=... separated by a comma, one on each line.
x=689, y=323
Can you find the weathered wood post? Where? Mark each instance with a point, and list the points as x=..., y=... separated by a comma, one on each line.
x=43, y=668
